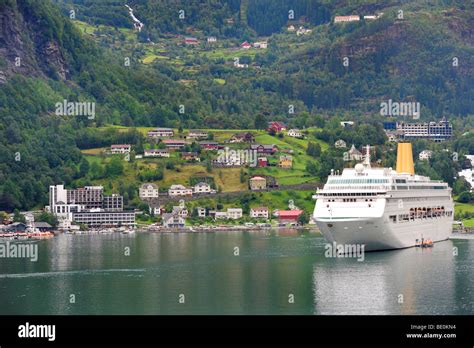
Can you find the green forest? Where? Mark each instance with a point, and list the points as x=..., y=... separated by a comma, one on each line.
x=408, y=58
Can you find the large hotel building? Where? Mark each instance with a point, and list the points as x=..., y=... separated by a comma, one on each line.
x=436, y=131
x=88, y=206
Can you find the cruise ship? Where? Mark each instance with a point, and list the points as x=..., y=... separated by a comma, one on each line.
x=383, y=208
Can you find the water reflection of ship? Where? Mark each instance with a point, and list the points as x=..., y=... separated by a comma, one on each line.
x=408, y=281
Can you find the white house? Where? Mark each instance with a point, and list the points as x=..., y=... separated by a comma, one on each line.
x=425, y=155
x=340, y=144
x=160, y=132
x=201, y=211
x=120, y=148
x=172, y=221
x=291, y=28
x=211, y=39
x=259, y=212
x=148, y=190
x=180, y=211
x=260, y=44
x=234, y=213
x=156, y=153
x=295, y=133
x=342, y=19
x=179, y=190
x=203, y=187
x=220, y=215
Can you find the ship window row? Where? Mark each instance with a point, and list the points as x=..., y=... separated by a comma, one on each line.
x=421, y=214
x=419, y=187
x=381, y=187
x=358, y=181
x=339, y=194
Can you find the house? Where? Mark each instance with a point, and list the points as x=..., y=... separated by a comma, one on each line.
x=210, y=145
x=203, y=187
x=289, y=215
x=120, y=148
x=238, y=65
x=197, y=134
x=234, y=213
x=211, y=39
x=264, y=149
x=258, y=183
x=191, y=41
x=148, y=190
x=392, y=137
x=190, y=156
x=260, y=44
x=42, y=226
x=303, y=31
x=425, y=155
x=156, y=209
x=156, y=153
x=201, y=211
x=285, y=162
x=259, y=212
x=245, y=45
x=295, y=133
x=347, y=124
x=291, y=28
x=354, y=154
x=340, y=144
x=173, y=144
x=170, y=220
x=160, y=133
x=262, y=162
x=244, y=137
x=180, y=211
x=342, y=19
x=277, y=127
x=179, y=190
x=220, y=215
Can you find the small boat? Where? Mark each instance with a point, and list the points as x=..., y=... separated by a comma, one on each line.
x=424, y=243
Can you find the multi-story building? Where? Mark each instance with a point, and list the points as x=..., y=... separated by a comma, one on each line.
x=436, y=131
x=100, y=218
x=148, y=191
x=259, y=212
x=113, y=203
x=88, y=206
x=89, y=196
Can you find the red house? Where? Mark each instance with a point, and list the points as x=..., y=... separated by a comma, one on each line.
x=289, y=215
x=276, y=126
x=191, y=41
x=262, y=162
x=245, y=45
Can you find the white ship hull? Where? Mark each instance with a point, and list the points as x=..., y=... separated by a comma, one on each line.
x=379, y=234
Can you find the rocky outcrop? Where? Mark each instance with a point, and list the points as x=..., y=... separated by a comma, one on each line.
x=24, y=50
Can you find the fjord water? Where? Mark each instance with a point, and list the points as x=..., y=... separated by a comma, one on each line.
x=262, y=276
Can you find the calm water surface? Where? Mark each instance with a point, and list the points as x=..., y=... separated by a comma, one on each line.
x=271, y=268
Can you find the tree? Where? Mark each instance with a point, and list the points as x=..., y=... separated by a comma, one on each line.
x=314, y=149
x=114, y=168
x=83, y=168
x=17, y=217
x=464, y=197
x=260, y=122
x=303, y=219
x=49, y=218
